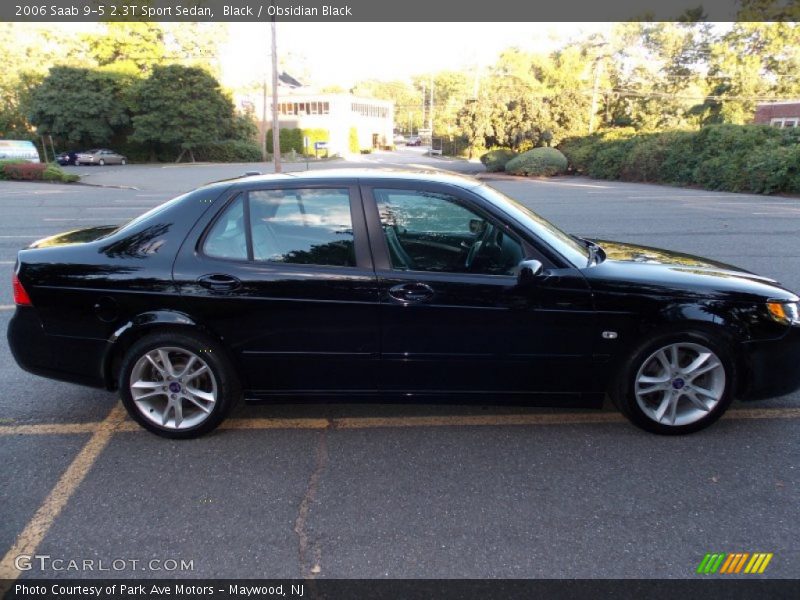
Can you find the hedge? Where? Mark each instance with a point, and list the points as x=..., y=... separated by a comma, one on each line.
x=27, y=171
x=228, y=151
x=538, y=162
x=734, y=158
x=495, y=160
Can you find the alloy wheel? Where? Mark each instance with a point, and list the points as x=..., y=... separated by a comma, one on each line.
x=679, y=384
x=173, y=387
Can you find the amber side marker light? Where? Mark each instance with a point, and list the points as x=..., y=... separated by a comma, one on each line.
x=21, y=297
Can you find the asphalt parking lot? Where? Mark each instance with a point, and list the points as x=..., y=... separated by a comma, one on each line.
x=397, y=491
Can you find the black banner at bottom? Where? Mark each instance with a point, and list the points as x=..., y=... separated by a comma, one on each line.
x=398, y=589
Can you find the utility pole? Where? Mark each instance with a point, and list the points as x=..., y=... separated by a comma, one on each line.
x=430, y=118
x=595, y=87
x=422, y=122
x=276, y=135
x=264, y=120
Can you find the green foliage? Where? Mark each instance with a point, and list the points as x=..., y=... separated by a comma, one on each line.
x=24, y=171
x=8, y=162
x=495, y=160
x=735, y=158
x=80, y=106
x=292, y=139
x=229, y=151
x=538, y=162
x=182, y=106
x=55, y=173
x=352, y=141
x=21, y=170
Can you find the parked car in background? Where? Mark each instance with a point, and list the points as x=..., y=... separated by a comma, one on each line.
x=399, y=139
x=365, y=283
x=414, y=140
x=67, y=158
x=19, y=150
x=100, y=156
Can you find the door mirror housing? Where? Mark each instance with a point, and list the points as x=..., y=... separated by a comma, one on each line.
x=529, y=270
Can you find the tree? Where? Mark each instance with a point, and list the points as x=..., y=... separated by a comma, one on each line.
x=81, y=106
x=475, y=124
x=182, y=107
x=132, y=48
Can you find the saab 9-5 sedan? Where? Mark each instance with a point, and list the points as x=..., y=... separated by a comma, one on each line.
x=386, y=284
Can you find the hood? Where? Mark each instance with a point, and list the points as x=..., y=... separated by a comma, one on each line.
x=675, y=273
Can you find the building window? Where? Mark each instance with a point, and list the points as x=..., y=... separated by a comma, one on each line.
x=314, y=108
x=325, y=108
x=784, y=122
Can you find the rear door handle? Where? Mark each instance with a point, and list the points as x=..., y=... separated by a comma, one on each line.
x=411, y=292
x=219, y=282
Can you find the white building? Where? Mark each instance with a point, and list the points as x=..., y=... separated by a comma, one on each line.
x=373, y=120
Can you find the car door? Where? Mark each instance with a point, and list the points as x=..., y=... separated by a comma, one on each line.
x=283, y=273
x=453, y=317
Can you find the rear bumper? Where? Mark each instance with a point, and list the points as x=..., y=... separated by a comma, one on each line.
x=76, y=360
x=773, y=366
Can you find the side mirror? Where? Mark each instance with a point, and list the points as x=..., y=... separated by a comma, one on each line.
x=528, y=271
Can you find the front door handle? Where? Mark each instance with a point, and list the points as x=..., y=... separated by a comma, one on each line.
x=411, y=292
x=219, y=282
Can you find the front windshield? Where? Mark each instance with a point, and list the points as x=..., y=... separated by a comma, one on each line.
x=561, y=242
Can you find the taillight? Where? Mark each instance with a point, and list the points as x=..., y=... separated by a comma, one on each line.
x=21, y=297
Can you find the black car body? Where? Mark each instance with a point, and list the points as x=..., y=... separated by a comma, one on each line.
x=67, y=158
x=394, y=284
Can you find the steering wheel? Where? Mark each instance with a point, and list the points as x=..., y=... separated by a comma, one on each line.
x=488, y=233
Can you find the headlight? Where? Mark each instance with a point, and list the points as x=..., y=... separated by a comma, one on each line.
x=787, y=313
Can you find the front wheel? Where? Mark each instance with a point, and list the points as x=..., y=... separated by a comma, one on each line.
x=101, y=162
x=678, y=383
x=178, y=385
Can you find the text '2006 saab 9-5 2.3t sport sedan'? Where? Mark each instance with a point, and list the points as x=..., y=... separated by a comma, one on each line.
x=382, y=284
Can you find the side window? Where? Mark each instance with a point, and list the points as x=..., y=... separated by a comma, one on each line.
x=429, y=231
x=302, y=226
x=227, y=238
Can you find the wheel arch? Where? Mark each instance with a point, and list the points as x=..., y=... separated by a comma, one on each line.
x=157, y=321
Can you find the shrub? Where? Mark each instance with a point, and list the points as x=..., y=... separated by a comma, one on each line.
x=352, y=141
x=25, y=171
x=228, y=151
x=734, y=158
x=539, y=161
x=495, y=160
x=3, y=163
x=55, y=173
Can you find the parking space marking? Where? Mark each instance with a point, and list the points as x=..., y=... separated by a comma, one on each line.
x=42, y=520
x=48, y=429
x=593, y=418
x=7, y=307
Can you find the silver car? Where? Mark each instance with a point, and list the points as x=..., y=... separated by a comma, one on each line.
x=100, y=156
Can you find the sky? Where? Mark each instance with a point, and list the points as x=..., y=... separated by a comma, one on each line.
x=345, y=53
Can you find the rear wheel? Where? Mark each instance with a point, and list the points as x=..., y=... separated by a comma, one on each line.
x=123, y=162
x=678, y=383
x=178, y=385
x=101, y=162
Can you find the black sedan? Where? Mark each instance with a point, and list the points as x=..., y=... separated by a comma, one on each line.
x=377, y=284
x=67, y=158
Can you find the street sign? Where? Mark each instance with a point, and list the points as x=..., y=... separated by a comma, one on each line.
x=320, y=145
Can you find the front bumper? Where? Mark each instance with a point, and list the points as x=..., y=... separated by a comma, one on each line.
x=773, y=367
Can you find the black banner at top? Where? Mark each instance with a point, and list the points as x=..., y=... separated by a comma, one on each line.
x=338, y=11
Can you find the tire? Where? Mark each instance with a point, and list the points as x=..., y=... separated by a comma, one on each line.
x=188, y=398
x=657, y=387
x=101, y=162
x=123, y=162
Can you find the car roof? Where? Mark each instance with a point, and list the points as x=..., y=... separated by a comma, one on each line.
x=366, y=175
